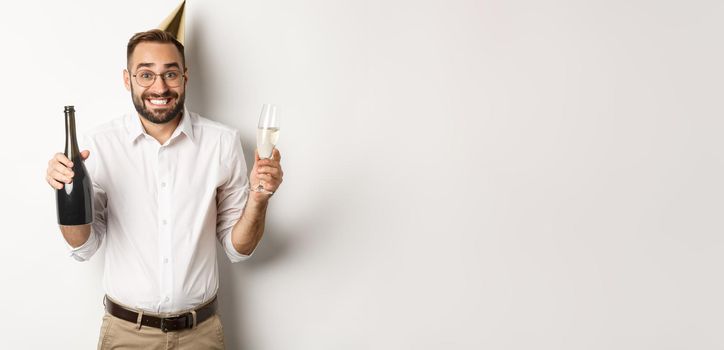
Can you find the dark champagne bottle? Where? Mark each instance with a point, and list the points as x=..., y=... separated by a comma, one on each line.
x=75, y=200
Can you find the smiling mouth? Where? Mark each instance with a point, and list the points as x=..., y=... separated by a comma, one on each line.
x=159, y=102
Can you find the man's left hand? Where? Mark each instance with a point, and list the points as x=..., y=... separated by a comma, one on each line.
x=268, y=173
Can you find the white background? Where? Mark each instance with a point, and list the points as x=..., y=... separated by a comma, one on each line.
x=458, y=174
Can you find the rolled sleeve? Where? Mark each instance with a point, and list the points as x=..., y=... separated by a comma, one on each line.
x=98, y=229
x=87, y=249
x=231, y=199
x=231, y=252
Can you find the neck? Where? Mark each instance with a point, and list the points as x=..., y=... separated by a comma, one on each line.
x=161, y=132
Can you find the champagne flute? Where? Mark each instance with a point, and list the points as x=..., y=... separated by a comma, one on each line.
x=267, y=135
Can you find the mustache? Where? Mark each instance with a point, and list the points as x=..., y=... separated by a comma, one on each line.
x=167, y=94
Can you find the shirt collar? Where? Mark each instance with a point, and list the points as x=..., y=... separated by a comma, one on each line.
x=185, y=126
x=135, y=127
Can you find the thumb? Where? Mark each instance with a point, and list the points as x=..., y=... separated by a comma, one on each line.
x=85, y=154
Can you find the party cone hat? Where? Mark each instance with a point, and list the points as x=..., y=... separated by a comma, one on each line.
x=174, y=23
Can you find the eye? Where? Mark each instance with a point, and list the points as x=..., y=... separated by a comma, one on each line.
x=146, y=75
x=171, y=75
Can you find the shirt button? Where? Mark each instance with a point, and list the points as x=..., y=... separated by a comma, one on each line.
x=164, y=222
x=163, y=184
x=167, y=299
x=165, y=260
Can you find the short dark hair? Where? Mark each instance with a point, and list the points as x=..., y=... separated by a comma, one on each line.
x=154, y=36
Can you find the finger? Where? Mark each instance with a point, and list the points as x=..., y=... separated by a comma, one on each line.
x=63, y=170
x=85, y=154
x=268, y=170
x=269, y=177
x=54, y=184
x=275, y=177
x=276, y=155
x=266, y=178
x=57, y=176
x=275, y=172
x=269, y=162
x=60, y=157
x=263, y=162
x=60, y=177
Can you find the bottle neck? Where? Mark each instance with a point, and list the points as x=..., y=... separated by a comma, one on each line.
x=71, y=142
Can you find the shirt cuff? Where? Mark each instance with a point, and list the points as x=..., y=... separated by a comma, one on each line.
x=232, y=253
x=85, y=250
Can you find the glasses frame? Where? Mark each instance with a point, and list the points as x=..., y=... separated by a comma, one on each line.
x=156, y=75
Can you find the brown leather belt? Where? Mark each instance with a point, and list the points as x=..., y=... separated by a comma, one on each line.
x=166, y=324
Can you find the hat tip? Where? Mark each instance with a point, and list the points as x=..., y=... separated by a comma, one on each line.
x=174, y=22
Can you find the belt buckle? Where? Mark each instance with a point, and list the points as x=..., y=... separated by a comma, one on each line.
x=186, y=317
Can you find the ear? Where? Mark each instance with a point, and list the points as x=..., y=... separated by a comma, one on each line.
x=127, y=79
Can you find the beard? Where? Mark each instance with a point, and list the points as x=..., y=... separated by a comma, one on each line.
x=159, y=117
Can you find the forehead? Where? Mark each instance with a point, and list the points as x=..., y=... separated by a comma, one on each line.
x=159, y=54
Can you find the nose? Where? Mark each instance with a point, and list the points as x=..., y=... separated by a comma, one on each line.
x=159, y=85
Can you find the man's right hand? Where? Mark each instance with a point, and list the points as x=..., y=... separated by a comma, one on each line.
x=60, y=170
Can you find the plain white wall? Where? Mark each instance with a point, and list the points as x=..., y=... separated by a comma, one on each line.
x=459, y=174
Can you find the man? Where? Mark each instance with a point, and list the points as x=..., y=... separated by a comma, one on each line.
x=167, y=184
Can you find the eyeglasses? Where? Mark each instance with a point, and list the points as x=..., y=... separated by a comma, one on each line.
x=146, y=78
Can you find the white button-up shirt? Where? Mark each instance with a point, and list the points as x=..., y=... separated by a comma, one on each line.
x=161, y=208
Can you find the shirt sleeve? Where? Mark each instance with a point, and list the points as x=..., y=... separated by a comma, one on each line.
x=231, y=199
x=100, y=202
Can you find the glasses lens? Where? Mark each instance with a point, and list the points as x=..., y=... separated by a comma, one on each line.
x=172, y=78
x=145, y=78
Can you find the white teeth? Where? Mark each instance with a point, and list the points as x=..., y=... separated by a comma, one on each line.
x=159, y=102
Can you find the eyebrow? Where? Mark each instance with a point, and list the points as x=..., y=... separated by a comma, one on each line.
x=167, y=65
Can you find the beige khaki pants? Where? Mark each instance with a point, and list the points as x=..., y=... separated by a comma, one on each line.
x=121, y=334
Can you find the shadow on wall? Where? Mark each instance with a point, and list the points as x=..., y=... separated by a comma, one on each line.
x=197, y=97
x=232, y=277
x=280, y=240
x=312, y=211
x=201, y=83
